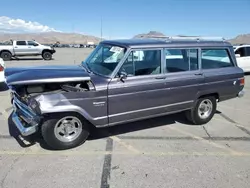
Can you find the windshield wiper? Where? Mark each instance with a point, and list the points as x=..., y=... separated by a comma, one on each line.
x=86, y=68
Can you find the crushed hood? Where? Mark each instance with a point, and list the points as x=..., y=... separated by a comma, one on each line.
x=45, y=74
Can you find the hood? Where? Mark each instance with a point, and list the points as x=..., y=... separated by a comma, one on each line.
x=45, y=74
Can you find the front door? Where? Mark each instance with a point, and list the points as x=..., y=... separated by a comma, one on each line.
x=33, y=48
x=142, y=93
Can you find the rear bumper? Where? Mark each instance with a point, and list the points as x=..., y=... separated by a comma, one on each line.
x=24, y=119
x=241, y=94
x=53, y=51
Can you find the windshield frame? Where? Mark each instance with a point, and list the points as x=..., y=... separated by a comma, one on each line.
x=85, y=62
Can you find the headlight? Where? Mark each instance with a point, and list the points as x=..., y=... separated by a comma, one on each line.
x=35, y=106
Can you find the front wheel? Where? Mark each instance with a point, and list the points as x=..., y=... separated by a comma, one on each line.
x=64, y=131
x=203, y=110
x=47, y=55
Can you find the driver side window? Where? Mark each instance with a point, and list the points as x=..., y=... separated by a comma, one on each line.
x=142, y=62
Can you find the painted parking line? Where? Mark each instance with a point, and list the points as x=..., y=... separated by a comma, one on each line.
x=86, y=153
x=126, y=145
x=209, y=142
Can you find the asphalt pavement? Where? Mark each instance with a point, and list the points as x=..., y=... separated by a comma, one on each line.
x=159, y=152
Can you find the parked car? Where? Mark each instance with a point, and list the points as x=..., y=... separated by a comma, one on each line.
x=25, y=48
x=242, y=54
x=124, y=81
x=2, y=67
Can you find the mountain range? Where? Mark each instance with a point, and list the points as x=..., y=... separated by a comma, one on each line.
x=51, y=37
x=76, y=38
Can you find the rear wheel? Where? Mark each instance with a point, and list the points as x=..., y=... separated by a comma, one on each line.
x=64, y=131
x=6, y=56
x=47, y=55
x=203, y=110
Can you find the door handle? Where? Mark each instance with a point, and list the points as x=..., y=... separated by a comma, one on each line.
x=198, y=74
x=160, y=77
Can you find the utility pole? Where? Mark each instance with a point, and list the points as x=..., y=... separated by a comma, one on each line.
x=101, y=28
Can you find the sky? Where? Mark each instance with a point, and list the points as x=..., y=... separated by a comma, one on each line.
x=126, y=18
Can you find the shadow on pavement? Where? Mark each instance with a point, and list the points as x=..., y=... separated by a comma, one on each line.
x=28, y=59
x=99, y=133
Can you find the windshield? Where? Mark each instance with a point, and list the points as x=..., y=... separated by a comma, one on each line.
x=104, y=59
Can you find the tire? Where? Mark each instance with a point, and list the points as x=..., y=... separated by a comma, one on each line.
x=55, y=136
x=47, y=55
x=6, y=56
x=195, y=115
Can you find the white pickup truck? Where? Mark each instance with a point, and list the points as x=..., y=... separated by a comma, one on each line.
x=25, y=48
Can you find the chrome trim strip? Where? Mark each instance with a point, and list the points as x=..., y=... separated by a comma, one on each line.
x=152, y=108
x=49, y=80
x=137, y=92
x=143, y=118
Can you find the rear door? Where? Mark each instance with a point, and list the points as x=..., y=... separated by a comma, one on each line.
x=21, y=48
x=183, y=77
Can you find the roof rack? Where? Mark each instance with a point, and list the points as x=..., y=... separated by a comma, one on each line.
x=197, y=38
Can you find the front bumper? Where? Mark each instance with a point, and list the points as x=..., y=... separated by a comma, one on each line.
x=25, y=120
x=53, y=51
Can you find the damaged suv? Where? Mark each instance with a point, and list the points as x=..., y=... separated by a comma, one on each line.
x=123, y=81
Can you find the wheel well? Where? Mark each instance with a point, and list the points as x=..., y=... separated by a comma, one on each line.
x=5, y=51
x=89, y=124
x=46, y=51
x=216, y=95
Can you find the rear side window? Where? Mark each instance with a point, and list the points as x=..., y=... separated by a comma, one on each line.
x=179, y=60
x=215, y=58
x=247, y=51
x=21, y=43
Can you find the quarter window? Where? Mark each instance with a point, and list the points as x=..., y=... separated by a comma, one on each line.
x=179, y=60
x=21, y=43
x=215, y=58
x=142, y=62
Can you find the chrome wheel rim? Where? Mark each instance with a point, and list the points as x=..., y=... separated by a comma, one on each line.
x=205, y=109
x=68, y=129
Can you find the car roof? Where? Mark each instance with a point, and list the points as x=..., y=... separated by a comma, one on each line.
x=154, y=42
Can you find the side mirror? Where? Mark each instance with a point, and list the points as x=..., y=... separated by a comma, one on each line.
x=35, y=44
x=123, y=76
x=237, y=55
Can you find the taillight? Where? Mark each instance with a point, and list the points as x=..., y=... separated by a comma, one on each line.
x=242, y=81
x=1, y=68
